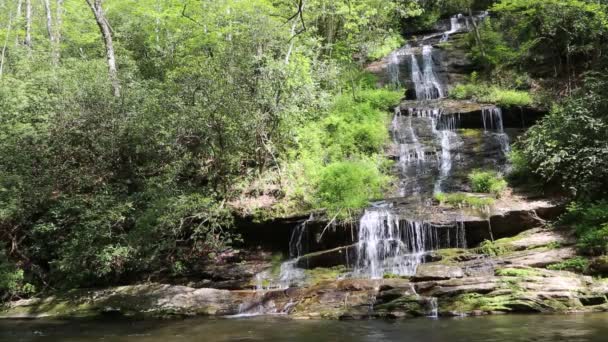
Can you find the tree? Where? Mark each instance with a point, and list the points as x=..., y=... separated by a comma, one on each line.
x=106, y=33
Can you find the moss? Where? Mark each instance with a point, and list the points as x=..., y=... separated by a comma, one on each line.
x=518, y=272
x=393, y=276
x=471, y=133
x=469, y=302
x=463, y=199
x=452, y=255
x=411, y=305
x=318, y=275
x=496, y=248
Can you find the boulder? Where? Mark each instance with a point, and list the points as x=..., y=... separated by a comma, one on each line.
x=427, y=272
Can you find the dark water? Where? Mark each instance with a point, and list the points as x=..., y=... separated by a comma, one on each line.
x=539, y=328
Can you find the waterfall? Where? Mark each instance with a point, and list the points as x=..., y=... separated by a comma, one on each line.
x=493, y=121
x=492, y=118
x=454, y=27
x=393, y=68
x=393, y=62
x=289, y=274
x=445, y=133
x=433, y=307
x=425, y=81
x=389, y=244
x=445, y=165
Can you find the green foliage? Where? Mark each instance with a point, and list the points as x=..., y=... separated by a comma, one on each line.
x=493, y=50
x=337, y=164
x=517, y=272
x=348, y=186
x=464, y=199
x=383, y=48
x=494, y=248
x=12, y=281
x=487, y=182
x=569, y=146
x=486, y=93
x=578, y=264
x=529, y=32
x=221, y=100
x=590, y=222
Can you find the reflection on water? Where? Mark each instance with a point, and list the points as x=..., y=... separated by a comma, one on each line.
x=539, y=328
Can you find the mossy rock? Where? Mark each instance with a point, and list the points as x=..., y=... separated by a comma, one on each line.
x=518, y=272
x=410, y=305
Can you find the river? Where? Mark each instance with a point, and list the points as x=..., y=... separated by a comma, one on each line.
x=511, y=328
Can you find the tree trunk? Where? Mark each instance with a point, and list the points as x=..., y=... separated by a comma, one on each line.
x=49, y=20
x=477, y=35
x=17, y=18
x=58, y=26
x=8, y=32
x=28, y=24
x=106, y=33
x=49, y=29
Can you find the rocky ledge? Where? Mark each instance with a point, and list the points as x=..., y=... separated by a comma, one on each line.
x=509, y=277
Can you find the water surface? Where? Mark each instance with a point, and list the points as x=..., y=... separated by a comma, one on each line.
x=537, y=328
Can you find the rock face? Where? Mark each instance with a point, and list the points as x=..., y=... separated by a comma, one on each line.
x=437, y=272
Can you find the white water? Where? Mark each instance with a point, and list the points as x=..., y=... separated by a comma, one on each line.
x=425, y=81
x=433, y=307
x=393, y=62
x=454, y=27
x=493, y=121
x=289, y=274
x=389, y=244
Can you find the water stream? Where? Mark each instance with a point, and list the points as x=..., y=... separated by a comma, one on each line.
x=512, y=328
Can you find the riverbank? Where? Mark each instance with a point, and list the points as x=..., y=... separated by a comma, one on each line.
x=457, y=282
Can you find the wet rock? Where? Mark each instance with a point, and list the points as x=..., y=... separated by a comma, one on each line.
x=593, y=300
x=599, y=265
x=427, y=272
x=404, y=306
x=540, y=237
x=330, y=258
x=536, y=258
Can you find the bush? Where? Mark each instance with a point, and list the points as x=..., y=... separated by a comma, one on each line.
x=380, y=49
x=487, y=182
x=578, y=264
x=486, y=93
x=590, y=222
x=461, y=199
x=12, y=282
x=569, y=146
x=347, y=186
x=337, y=164
x=493, y=249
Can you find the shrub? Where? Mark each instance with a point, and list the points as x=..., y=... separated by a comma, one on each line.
x=12, y=282
x=377, y=50
x=349, y=185
x=493, y=248
x=569, y=146
x=487, y=182
x=578, y=264
x=486, y=93
x=461, y=199
x=590, y=222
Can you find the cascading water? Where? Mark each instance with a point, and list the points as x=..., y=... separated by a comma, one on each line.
x=425, y=81
x=493, y=121
x=389, y=244
x=454, y=27
x=393, y=62
x=445, y=134
x=289, y=274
